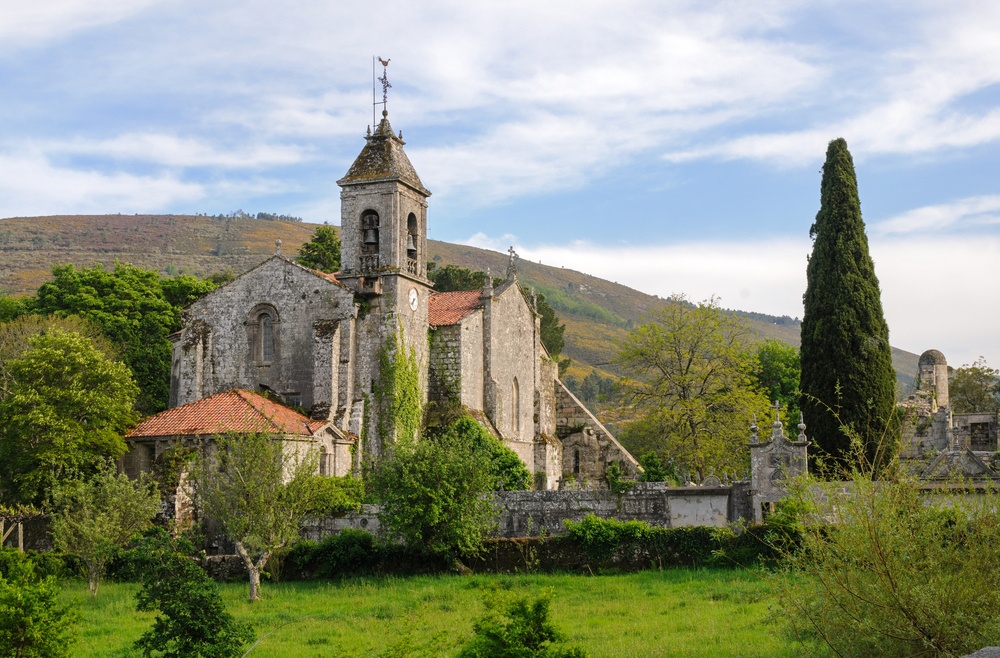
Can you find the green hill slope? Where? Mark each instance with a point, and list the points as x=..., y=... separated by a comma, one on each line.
x=596, y=312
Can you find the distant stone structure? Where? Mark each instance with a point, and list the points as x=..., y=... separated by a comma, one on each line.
x=938, y=444
x=314, y=340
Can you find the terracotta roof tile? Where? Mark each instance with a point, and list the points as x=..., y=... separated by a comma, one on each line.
x=449, y=307
x=230, y=411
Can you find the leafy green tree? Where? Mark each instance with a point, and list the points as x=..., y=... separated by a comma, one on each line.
x=257, y=488
x=33, y=624
x=435, y=494
x=777, y=374
x=517, y=626
x=550, y=328
x=12, y=307
x=65, y=414
x=15, y=335
x=129, y=306
x=847, y=377
x=690, y=387
x=653, y=469
x=95, y=517
x=452, y=278
x=181, y=290
x=974, y=388
x=322, y=252
x=509, y=471
x=192, y=619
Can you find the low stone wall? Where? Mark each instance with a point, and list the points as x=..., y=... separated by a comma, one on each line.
x=365, y=519
x=539, y=513
x=534, y=513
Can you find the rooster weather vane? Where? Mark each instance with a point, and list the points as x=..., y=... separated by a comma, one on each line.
x=385, y=88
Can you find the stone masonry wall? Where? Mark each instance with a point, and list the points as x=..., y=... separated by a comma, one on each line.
x=573, y=418
x=445, y=366
x=535, y=513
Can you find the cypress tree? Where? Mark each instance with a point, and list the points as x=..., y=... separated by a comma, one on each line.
x=847, y=382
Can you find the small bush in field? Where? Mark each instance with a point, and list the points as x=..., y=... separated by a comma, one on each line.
x=516, y=626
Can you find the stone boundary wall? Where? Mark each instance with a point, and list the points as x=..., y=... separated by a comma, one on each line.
x=537, y=513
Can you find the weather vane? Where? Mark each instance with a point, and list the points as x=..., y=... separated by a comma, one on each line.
x=385, y=88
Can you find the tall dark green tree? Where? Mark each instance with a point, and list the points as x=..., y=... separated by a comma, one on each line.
x=848, y=383
x=322, y=252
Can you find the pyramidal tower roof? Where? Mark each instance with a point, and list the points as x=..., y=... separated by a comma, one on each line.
x=383, y=158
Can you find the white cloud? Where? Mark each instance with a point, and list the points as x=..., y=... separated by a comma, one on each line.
x=30, y=185
x=964, y=213
x=908, y=99
x=27, y=23
x=172, y=151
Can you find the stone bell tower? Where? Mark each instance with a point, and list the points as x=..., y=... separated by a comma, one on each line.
x=383, y=248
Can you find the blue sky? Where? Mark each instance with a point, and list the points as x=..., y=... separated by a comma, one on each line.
x=670, y=146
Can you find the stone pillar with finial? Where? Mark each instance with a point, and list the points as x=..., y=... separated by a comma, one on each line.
x=773, y=462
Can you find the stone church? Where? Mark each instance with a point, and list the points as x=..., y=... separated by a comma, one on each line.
x=314, y=341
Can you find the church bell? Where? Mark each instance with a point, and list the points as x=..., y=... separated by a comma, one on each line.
x=371, y=236
x=411, y=243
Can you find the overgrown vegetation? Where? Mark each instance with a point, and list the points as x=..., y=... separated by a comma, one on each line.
x=884, y=573
x=396, y=393
x=192, y=619
x=33, y=622
x=435, y=493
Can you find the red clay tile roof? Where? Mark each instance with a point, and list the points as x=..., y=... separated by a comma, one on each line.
x=450, y=307
x=230, y=411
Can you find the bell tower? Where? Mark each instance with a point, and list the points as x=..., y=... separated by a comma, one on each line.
x=383, y=240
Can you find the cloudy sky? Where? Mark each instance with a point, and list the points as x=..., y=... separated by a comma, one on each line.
x=670, y=146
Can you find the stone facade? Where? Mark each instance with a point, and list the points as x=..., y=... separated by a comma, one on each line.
x=938, y=444
x=315, y=339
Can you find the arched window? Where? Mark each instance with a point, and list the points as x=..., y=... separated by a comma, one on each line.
x=266, y=338
x=263, y=334
x=369, y=239
x=324, y=461
x=515, y=408
x=412, y=236
x=576, y=461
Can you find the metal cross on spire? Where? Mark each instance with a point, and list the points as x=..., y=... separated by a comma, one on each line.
x=385, y=88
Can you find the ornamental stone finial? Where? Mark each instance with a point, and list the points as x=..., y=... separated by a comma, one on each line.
x=277, y=247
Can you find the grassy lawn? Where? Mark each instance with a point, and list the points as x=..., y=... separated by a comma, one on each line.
x=655, y=613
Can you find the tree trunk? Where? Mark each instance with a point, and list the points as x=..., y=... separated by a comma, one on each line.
x=253, y=569
x=93, y=579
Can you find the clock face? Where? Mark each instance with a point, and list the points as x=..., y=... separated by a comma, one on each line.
x=414, y=298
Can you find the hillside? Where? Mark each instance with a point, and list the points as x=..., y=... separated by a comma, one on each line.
x=596, y=312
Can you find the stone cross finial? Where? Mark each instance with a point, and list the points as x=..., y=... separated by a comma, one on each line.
x=277, y=247
x=511, y=263
x=777, y=408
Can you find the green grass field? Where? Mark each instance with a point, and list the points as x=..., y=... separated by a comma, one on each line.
x=655, y=613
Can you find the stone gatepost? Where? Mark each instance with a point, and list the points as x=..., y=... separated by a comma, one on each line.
x=773, y=462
